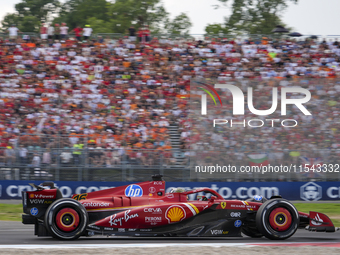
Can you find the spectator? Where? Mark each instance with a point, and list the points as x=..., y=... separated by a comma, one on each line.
x=46, y=157
x=77, y=32
x=87, y=31
x=9, y=155
x=66, y=157
x=77, y=151
x=63, y=31
x=23, y=155
x=13, y=32
x=146, y=33
x=43, y=32
x=56, y=31
x=132, y=34
x=50, y=32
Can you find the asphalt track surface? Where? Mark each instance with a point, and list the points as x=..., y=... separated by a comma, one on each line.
x=16, y=233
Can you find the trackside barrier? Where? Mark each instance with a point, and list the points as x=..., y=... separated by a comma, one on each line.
x=308, y=191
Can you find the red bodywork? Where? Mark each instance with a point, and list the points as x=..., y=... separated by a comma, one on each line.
x=135, y=208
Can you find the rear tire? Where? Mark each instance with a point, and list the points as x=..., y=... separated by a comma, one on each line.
x=66, y=219
x=277, y=219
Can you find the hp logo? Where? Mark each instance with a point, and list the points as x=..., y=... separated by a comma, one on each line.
x=34, y=211
x=133, y=190
x=237, y=223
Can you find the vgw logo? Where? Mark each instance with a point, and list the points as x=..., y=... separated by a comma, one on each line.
x=238, y=103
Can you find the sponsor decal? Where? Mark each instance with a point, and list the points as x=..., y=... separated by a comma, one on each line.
x=192, y=208
x=43, y=196
x=40, y=201
x=31, y=195
x=159, y=201
x=145, y=229
x=223, y=205
x=175, y=213
x=34, y=211
x=111, y=229
x=219, y=232
x=95, y=204
x=121, y=229
x=153, y=210
x=258, y=198
x=158, y=183
x=216, y=232
x=170, y=195
x=249, y=207
x=133, y=190
x=317, y=221
x=94, y=227
x=311, y=192
x=152, y=189
x=153, y=219
x=235, y=214
x=113, y=220
x=238, y=223
x=80, y=197
x=132, y=229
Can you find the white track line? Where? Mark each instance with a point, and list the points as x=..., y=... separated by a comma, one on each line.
x=137, y=245
x=89, y=246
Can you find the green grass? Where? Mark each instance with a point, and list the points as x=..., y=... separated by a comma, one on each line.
x=330, y=209
x=12, y=212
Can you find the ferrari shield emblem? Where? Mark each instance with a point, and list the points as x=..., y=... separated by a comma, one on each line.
x=223, y=205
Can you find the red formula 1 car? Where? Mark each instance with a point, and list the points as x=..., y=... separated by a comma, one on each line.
x=144, y=209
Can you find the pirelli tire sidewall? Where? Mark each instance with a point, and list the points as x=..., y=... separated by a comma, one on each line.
x=74, y=207
x=263, y=219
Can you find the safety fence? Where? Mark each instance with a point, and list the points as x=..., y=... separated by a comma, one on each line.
x=34, y=35
x=126, y=164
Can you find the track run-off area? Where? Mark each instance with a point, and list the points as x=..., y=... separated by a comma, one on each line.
x=16, y=238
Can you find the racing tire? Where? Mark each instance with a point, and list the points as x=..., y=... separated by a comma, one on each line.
x=277, y=219
x=66, y=219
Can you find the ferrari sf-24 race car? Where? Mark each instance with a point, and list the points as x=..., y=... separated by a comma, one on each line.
x=144, y=209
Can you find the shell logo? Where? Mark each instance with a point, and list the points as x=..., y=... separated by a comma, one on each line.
x=31, y=195
x=175, y=213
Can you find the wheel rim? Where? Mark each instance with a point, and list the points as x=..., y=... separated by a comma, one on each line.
x=280, y=219
x=67, y=219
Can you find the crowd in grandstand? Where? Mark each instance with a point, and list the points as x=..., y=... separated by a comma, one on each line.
x=115, y=97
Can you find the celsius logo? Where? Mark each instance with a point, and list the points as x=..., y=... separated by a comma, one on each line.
x=238, y=100
x=133, y=190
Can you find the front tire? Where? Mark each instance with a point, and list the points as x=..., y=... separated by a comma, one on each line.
x=277, y=219
x=66, y=219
